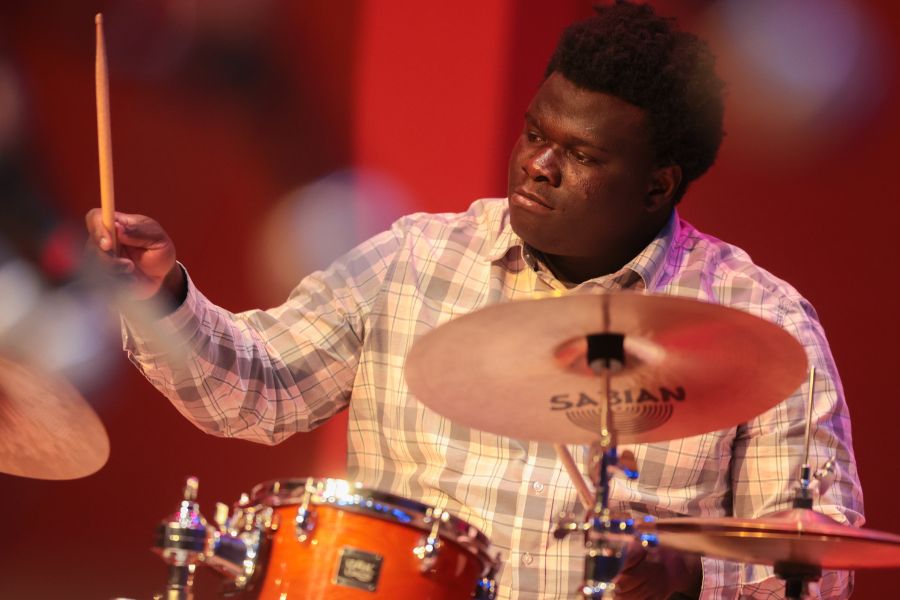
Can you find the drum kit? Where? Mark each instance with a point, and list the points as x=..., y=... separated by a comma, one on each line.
x=529, y=370
x=596, y=370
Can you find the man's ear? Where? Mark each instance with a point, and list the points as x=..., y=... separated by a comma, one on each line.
x=664, y=184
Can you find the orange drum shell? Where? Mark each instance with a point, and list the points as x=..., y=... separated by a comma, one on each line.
x=295, y=570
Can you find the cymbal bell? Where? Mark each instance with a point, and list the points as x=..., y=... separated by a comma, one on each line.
x=795, y=536
x=519, y=369
x=47, y=430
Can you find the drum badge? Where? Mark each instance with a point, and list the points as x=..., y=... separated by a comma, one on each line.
x=358, y=569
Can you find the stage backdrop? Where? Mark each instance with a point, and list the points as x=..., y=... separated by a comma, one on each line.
x=267, y=136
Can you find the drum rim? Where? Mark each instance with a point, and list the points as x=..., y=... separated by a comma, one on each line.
x=290, y=491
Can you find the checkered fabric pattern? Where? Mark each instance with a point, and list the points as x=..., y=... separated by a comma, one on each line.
x=340, y=341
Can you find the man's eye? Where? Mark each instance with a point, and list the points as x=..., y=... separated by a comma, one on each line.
x=582, y=158
x=534, y=137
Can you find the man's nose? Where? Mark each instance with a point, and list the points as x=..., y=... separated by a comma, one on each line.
x=543, y=165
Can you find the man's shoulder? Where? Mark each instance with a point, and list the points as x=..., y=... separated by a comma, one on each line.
x=724, y=273
x=477, y=229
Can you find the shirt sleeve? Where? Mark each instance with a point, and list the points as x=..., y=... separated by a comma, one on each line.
x=767, y=454
x=262, y=375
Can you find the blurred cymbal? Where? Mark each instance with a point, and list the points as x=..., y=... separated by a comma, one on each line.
x=47, y=430
x=796, y=536
x=519, y=369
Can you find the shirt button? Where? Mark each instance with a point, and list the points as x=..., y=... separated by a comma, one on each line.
x=527, y=559
x=537, y=486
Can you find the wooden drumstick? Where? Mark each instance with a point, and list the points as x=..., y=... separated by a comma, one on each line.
x=104, y=135
x=585, y=493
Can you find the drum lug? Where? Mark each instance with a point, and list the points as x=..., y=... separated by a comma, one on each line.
x=305, y=521
x=427, y=552
x=429, y=547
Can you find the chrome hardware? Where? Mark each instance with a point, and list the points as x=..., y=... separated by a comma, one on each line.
x=305, y=521
x=623, y=466
x=821, y=480
x=567, y=523
x=606, y=540
x=649, y=541
x=221, y=516
x=185, y=540
x=429, y=547
x=181, y=541
x=825, y=476
x=486, y=588
x=235, y=550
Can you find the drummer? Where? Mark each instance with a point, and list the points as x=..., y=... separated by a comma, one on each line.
x=628, y=116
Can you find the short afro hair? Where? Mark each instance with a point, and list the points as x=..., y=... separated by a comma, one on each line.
x=627, y=51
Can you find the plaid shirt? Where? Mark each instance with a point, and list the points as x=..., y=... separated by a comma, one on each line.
x=344, y=334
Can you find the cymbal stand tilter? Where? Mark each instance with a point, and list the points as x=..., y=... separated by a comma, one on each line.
x=798, y=576
x=606, y=538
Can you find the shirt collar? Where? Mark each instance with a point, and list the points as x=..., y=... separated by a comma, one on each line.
x=647, y=265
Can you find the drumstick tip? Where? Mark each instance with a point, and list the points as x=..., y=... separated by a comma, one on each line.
x=98, y=19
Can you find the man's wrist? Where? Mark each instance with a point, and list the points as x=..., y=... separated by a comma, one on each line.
x=175, y=286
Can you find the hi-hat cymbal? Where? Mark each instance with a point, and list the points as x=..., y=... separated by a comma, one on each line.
x=47, y=430
x=519, y=369
x=796, y=536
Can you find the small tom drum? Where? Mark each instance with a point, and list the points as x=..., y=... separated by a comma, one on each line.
x=327, y=538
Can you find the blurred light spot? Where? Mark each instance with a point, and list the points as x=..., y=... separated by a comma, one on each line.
x=21, y=288
x=799, y=72
x=317, y=223
x=67, y=331
x=810, y=46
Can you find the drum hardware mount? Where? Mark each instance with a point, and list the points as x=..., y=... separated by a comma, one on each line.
x=181, y=541
x=185, y=540
x=429, y=547
x=305, y=521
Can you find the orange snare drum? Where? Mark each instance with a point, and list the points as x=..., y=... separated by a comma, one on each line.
x=327, y=538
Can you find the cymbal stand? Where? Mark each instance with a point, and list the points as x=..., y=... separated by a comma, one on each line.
x=797, y=576
x=606, y=539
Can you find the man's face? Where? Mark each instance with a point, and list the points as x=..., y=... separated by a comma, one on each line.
x=580, y=174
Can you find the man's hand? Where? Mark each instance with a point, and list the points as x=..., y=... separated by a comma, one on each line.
x=145, y=255
x=659, y=575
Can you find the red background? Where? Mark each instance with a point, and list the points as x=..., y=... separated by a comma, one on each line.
x=432, y=94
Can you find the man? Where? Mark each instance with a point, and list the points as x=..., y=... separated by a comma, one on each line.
x=629, y=114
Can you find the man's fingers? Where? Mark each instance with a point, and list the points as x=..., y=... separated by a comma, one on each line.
x=93, y=220
x=132, y=230
x=140, y=232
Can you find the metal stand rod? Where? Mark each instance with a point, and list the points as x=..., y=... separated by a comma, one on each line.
x=606, y=539
x=797, y=579
x=181, y=582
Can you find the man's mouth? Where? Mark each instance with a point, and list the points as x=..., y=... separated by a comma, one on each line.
x=529, y=199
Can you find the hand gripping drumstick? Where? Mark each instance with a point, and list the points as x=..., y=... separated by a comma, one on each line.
x=104, y=135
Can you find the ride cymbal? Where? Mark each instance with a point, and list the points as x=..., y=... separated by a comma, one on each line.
x=519, y=369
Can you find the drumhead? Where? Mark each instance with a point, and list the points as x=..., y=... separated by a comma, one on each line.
x=353, y=497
